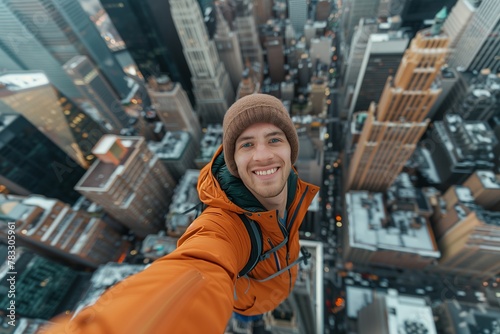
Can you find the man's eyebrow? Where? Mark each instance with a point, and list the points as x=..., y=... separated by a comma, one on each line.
x=270, y=134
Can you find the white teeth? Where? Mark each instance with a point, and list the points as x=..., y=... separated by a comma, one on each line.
x=266, y=172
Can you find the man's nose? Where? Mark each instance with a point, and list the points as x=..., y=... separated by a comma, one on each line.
x=262, y=152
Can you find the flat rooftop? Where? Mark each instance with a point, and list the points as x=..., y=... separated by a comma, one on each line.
x=101, y=175
x=366, y=213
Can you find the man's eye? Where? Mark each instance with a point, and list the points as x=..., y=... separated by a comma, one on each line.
x=275, y=140
x=246, y=145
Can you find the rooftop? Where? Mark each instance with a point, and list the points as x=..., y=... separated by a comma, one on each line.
x=488, y=179
x=372, y=228
x=402, y=312
x=172, y=146
x=15, y=81
x=469, y=319
x=211, y=141
x=101, y=175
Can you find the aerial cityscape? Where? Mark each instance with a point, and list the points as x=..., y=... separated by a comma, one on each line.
x=109, y=109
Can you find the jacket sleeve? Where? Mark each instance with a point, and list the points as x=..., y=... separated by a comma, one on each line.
x=188, y=291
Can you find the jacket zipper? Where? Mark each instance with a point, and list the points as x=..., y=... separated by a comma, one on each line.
x=276, y=259
x=289, y=272
x=294, y=216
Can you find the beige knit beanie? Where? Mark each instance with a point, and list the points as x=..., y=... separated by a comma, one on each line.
x=251, y=109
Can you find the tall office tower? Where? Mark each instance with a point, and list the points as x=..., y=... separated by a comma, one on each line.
x=275, y=58
x=228, y=49
x=382, y=56
x=472, y=234
x=323, y=10
x=263, y=11
x=129, y=182
x=304, y=72
x=355, y=10
x=149, y=33
x=249, y=84
x=359, y=42
x=479, y=44
x=33, y=164
x=394, y=127
x=251, y=50
x=172, y=106
x=212, y=87
x=30, y=94
x=51, y=227
x=317, y=96
x=94, y=87
x=25, y=52
x=475, y=141
x=458, y=20
x=297, y=13
x=485, y=188
x=65, y=30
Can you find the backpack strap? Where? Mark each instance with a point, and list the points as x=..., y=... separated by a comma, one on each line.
x=303, y=258
x=255, y=234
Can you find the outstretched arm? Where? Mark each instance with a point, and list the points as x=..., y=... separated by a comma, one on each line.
x=187, y=291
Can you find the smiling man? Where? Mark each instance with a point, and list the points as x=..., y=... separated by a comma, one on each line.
x=197, y=288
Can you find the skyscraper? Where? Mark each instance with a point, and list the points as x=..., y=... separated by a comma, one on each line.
x=275, y=58
x=228, y=49
x=32, y=164
x=393, y=127
x=382, y=56
x=65, y=31
x=357, y=49
x=479, y=44
x=150, y=36
x=458, y=20
x=263, y=11
x=21, y=50
x=172, y=106
x=297, y=13
x=248, y=38
x=130, y=183
x=93, y=86
x=354, y=10
x=30, y=94
x=212, y=87
x=52, y=228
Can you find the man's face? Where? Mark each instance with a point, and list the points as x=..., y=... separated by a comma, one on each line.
x=262, y=155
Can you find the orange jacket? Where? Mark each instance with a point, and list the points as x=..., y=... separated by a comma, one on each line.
x=196, y=288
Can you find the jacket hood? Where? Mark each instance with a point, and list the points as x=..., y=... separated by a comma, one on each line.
x=218, y=187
